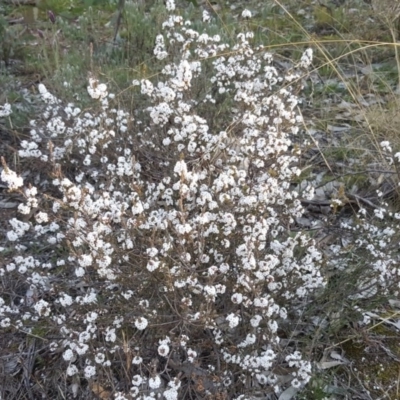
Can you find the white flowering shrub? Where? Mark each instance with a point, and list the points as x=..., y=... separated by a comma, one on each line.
x=366, y=257
x=159, y=258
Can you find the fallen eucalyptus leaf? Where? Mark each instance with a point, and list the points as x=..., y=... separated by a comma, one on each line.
x=8, y=204
x=336, y=356
x=394, y=303
x=329, y=364
x=288, y=394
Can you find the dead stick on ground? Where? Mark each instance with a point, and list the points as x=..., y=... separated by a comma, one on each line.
x=121, y=4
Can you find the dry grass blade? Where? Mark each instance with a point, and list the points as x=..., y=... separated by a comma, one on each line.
x=388, y=10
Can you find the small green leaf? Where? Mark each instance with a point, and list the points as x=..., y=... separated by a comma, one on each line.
x=194, y=2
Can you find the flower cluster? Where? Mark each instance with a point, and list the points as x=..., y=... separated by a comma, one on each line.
x=5, y=110
x=11, y=178
x=167, y=230
x=373, y=236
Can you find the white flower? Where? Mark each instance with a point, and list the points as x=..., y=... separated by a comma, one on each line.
x=163, y=350
x=170, y=5
x=20, y=228
x=99, y=358
x=110, y=335
x=79, y=272
x=66, y=300
x=85, y=260
x=386, y=146
x=210, y=291
x=68, y=355
x=5, y=110
x=84, y=337
x=134, y=391
x=24, y=209
x=46, y=96
x=152, y=265
x=146, y=87
x=96, y=90
x=379, y=213
x=180, y=168
x=159, y=49
x=151, y=251
x=191, y=355
x=72, y=370
x=12, y=236
x=141, y=323
x=42, y=307
x=237, y=298
x=155, y=382
x=137, y=360
x=42, y=217
x=306, y=58
x=250, y=339
x=128, y=294
x=5, y=323
x=42, y=89
x=53, y=346
x=121, y=396
x=137, y=380
x=233, y=320
x=90, y=371
x=296, y=383
x=246, y=14
x=92, y=316
x=11, y=178
x=81, y=349
x=171, y=394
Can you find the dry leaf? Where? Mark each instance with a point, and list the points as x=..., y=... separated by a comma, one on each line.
x=98, y=390
x=394, y=303
x=8, y=204
x=288, y=394
x=329, y=364
x=336, y=356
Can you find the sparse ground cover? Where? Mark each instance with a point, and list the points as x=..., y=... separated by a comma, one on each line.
x=75, y=327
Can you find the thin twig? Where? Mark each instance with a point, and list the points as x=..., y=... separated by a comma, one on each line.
x=121, y=5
